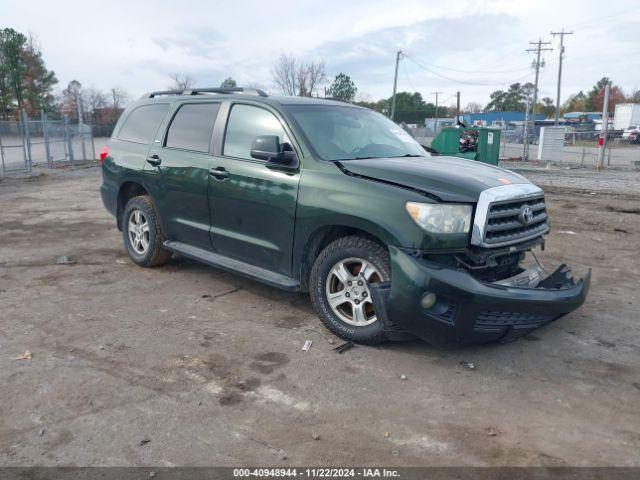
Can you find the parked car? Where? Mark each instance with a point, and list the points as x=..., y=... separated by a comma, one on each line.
x=628, y=131
x=336, y=200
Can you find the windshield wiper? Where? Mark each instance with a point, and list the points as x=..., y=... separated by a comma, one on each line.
x=353, y=158
x=368, y=158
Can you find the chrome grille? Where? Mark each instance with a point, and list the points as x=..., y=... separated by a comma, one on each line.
x=505, y=224
x=497, y=222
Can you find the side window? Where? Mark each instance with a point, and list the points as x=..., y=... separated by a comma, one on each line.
x=141, y=125
x=192, y=127
x=246, y=122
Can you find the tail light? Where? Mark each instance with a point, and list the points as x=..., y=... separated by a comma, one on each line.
x=104, y=154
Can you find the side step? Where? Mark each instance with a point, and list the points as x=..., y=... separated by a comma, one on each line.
x=235, y=266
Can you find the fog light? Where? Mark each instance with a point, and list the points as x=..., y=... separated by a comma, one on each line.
x=428, y=300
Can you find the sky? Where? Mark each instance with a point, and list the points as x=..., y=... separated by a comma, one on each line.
x=474, y=47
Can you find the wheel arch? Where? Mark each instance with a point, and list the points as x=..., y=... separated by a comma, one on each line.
x=323, y=236
x=126, y=192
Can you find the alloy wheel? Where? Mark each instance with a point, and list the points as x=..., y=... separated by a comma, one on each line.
x=348, y=293
x=139, y=232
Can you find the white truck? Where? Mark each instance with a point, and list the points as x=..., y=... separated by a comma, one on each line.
x=627, y=114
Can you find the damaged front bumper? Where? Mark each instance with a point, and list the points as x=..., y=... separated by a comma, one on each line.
x=467, y=310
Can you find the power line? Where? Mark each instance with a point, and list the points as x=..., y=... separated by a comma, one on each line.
x=625, y=12
x=404, y=69
x=461, y=82
x=478, y=71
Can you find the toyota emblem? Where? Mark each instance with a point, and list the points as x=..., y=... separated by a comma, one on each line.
x=526, y=215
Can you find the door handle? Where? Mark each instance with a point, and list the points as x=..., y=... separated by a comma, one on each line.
x=219, y=172
x=154, y=160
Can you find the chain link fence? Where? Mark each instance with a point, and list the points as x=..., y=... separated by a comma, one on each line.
x=580, y=147
x=29, y=142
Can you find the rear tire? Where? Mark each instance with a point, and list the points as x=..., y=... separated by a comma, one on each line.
x=141, y=232
x=346, y=308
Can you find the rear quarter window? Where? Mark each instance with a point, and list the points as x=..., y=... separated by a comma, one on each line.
x=192, y=127
x=141, y=125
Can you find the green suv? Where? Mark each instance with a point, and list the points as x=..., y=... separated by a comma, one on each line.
x=325, y=197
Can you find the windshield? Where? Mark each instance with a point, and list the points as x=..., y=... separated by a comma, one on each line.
x=349, y=133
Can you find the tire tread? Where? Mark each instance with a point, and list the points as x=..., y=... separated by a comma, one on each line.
x=158, y=255
x=353, y=241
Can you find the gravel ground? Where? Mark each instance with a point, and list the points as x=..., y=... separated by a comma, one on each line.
x=561, y=177
x=187, y=365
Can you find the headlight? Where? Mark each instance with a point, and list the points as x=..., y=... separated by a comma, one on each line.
x=440, y=218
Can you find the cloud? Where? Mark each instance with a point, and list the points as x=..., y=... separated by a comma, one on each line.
x=475, y=46
x=199, y=41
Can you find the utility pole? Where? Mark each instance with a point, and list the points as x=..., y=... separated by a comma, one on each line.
x=435, y=124
x=525, y=138
x=537, y=66
x=457, y=107
x=395, y=84
x=562, y=34
x=602, y=141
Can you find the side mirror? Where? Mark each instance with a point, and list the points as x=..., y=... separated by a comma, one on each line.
x=269, y=148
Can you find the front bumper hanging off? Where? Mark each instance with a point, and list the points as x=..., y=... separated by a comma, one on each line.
x=465, y=309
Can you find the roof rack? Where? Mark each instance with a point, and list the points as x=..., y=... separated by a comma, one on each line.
x=198, y=91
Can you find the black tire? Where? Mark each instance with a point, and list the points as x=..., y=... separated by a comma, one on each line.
x=354, y=246
x=154, y=254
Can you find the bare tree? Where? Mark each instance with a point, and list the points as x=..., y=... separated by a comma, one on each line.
x=472, y=107
x=93, y=100
x=311, y=79
x=118, y=99
x=181, y=82
x=295, y=77
x=284, y=74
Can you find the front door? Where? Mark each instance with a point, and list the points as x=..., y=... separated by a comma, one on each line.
x=253, y=202
x=177, y=173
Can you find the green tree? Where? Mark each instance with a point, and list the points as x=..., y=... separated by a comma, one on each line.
x=590, y=103
x=512, y=100
x=38, y=81
x=546, y=107
x=343, y=88
x=229, y=83
x=575, y=103
x=595, y=98
x=13, y=66
x=25, y=82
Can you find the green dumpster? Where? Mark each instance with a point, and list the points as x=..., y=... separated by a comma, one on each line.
x=481, y=144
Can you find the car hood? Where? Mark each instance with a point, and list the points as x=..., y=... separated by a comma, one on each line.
x=451, y=179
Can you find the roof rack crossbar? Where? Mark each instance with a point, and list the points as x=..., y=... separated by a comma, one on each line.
x=197, y=91
x=250, y=91
x=162, y=92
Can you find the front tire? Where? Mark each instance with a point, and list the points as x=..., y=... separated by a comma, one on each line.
x=339, y=295
x=143, y=238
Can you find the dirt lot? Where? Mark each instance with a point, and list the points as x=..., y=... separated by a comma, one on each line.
x=186, y=365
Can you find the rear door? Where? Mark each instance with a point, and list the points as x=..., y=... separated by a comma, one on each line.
x=177, y=172
x=252, y=202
